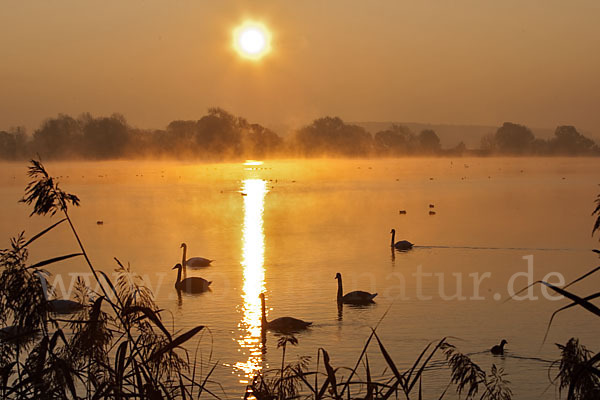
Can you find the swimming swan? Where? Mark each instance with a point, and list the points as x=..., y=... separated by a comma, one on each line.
x=283, y=324
x=402, y=244
x=194, y=262
x=60, y=306
x=499, y=348
x=193, y=284
x=357, y=297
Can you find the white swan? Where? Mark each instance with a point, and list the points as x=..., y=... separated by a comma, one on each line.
x=402, y=245
x=194, y=262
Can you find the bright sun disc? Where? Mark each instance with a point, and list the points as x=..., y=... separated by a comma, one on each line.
x=252, y=40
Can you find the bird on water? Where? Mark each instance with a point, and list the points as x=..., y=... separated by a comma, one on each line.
x=499, y=348
x=194, y=262
x=192, y=284
x=282, y=324
x=358, y=297
x=403, y=245
x=64, y=306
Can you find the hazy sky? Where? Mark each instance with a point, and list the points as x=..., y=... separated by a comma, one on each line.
x=457, y=61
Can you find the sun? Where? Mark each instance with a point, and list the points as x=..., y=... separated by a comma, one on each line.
x=252, y=40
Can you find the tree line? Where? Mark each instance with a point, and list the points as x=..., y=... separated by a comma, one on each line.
x=222, y=135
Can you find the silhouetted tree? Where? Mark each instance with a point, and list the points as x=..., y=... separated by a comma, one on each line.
x=13, y=144
x=568, y=141
x=429, y=142
x=331, y=136
x=514, y=139
x=397, y=140
x=104, y=137
x=220, y=133
x=260, y=141
x=179, y=138
x=58, y=137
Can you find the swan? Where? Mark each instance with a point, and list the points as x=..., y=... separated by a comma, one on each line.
x=357, y=297
x=499, y=348
x=60, y=306
x=194, y=262
x=283, y=324
x=193, y=284
x=402, y=244
x=15, y=333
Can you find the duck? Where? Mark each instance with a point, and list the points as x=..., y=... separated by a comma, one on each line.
x=498, y=349
x=402, y=212
x=62, y=306
x=194, y=262
x=282, y=324
x=402, y=245
x=431, y=212
x=358, y=297
x=193, y=284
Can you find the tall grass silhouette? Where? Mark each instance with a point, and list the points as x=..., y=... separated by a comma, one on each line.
x=117, y=347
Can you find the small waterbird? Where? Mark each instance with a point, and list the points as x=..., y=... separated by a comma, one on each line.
x=498, y=349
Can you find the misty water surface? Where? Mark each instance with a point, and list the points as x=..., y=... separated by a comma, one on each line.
x=286, y=227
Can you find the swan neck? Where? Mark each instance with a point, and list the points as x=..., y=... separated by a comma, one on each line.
x=183, y=263
x=178, y=276
x=340, y=292
x=263, y=310
x=393, y=237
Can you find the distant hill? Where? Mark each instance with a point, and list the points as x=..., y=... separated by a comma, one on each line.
x=451, y=135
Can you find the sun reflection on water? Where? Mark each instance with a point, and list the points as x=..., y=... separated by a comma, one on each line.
x=254, y=276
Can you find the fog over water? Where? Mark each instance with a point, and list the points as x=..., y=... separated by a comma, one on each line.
x=286, y=227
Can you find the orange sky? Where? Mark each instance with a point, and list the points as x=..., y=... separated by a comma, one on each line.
x=456, y=61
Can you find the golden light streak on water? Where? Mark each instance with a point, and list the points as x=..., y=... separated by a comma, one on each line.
x=253, y=162
x=254, y=276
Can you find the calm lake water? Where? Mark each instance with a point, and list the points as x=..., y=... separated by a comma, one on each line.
x=286, y=227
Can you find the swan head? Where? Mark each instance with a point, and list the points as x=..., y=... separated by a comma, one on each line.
x=183, y=245
x=262, y=296
x=178, y=266
x=503, y=342
x=393, y=231
x=338, y=276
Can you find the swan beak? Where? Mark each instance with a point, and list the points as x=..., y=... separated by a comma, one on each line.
x=175, y=267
